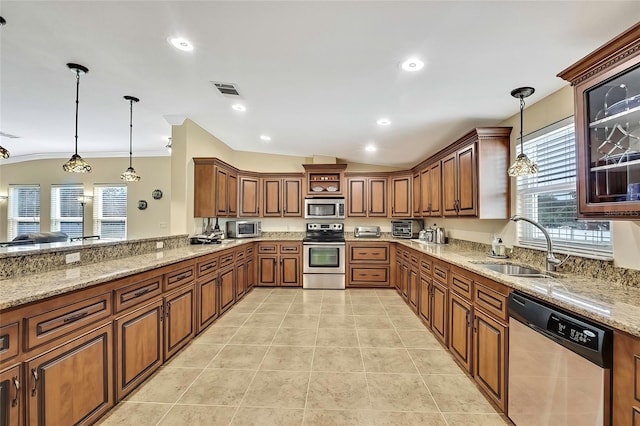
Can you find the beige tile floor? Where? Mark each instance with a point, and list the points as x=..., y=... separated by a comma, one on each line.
x=311, y=357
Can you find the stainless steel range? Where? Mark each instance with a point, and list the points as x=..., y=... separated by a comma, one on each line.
x=324, y=256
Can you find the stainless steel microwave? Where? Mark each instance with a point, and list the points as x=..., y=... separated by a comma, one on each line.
x=243, y=228
x=324, y=208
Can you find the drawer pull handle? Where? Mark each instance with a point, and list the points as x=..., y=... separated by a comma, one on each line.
x=16, y=386
x=182, y=276
x=76, y=317
x=4, y=342
x=34, y=373
x=207, y=266
x=142, y=292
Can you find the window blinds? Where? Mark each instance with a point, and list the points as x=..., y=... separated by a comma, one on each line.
x=550, y=197
x=66, y=210
x=23, y=210
x=110, y=211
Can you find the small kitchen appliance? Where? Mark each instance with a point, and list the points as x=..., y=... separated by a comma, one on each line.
x=367, y=232
x=243, y=228
x=406, y=228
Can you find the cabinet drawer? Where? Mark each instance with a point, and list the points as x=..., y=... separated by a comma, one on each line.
x=414, y=259
x=369, y=254
x=268, y=248
x=491, y=301
x=50, y=325
x=441, y=273
x=250, y=251
x=462, y=285
x=289, y=248
x=240, y=254
x=178, y=277
x=9, y=344
x=226, y=259
x=362, y=274
x=426, y=266
x=131, y=295
x=207, y=266
x=405, y=255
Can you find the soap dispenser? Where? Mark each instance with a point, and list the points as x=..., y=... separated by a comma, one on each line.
x=500, y=249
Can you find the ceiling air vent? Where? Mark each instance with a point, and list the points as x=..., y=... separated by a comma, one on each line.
x=226, y=89
x=9, y=135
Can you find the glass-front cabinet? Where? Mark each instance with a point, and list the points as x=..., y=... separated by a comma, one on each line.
x=607, y=107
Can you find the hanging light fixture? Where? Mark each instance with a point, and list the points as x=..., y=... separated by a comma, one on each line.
x=523, y=166
x=76, y=164
x=169, y=146
x=130, y=174
x=4, y=153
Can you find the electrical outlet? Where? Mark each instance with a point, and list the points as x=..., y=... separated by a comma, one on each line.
x=159, y=245
x=73, y=257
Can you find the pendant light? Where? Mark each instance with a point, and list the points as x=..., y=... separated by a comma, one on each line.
x=76, y=164
x=523, y=166
x=4, y=153
x=130, y=174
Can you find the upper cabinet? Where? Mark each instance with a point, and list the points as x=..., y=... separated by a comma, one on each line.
x=367, y=196
x=282, y=196
x=325, y=180
x=474, y=174
x=249, y=205
x=607, y=118
x=401, y=194
x=215, y=188
x=430, y=190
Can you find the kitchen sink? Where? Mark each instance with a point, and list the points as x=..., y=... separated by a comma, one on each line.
x=514, y=270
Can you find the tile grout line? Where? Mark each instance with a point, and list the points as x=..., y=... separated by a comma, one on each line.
x=313, y=357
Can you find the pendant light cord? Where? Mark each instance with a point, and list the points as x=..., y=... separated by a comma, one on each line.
x=521, y=114
x=77, y=103
x=130, y=130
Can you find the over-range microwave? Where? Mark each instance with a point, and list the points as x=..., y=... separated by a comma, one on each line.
x=324, y=208
x=243, y=228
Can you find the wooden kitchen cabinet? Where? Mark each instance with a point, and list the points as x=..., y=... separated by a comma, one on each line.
x=413, y=284
x=325, y=180
x=249, y=199
x=227, y=283
x=368, y=264
x=460, y=329
x=400, y=195
x=215, y=188
x=424, y=306
x=430, y=190
x=11, y=396
x=416, y=191
x=490, y=356
x=139, y=339
x=626, y=379
x=282, y=196
x=280, y=264
x=439, y=310
x=471, y=185
x=605, y=86
x=179, y=326
x=367, y=195
x=72, y=383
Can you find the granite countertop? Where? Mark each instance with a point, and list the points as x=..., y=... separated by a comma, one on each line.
x=609, y=304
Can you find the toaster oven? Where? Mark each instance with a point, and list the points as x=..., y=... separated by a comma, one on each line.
x=406, y=228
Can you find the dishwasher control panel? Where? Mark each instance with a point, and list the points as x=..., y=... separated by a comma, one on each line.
x=570, y=330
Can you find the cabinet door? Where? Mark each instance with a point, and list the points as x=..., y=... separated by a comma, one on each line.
x=290, y=275
x=490, y=356
x=179, y=327
x=357, y=197
x=460, y=330
x=439, y=311
x=449, y=186
x=425, y=194
x=221, y=196
x=73, y=383
x=251, y=273
x=227, y=280
x=241, y=280
x=414, y=290
x=626, y=379
x=232, y=198
x=416, y=190
x=398, y=277
x=467, y=186
x=268, y=270
x=11, y=397
x=401, y=196
x=271, y=197
x=404, y=281
x=292, y=197
x=378, y=197
x=207, y=299
x=204, y=202
x=249, y=197
x=139, y=346
x=424, y=307
x=435, y=189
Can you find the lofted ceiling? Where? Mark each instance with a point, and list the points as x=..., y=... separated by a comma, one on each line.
x=314, y=76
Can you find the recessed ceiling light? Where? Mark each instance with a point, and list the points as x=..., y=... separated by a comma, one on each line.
x=265, y=138
x=181, y=43
x=239, y=107
x=383, y=122
x=412, y=64
x=370, y=148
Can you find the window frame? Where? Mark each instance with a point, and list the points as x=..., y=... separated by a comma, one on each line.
x=99, y=219
x=13, y=222
x=57, y=206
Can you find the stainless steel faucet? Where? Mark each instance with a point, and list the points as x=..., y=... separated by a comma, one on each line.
x=552, y=261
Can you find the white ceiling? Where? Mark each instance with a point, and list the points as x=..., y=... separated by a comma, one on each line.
x=315, y=76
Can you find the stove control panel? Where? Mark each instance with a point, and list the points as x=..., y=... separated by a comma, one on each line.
x=325, y=227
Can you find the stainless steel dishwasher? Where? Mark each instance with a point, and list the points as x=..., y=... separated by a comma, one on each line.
x=559, y=366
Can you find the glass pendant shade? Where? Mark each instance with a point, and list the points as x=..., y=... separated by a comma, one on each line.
x=523, y=166
x=76, y=164
x=4, y=153
x=130, y=174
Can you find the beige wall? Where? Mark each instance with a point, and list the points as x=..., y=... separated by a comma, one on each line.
x=155, y=172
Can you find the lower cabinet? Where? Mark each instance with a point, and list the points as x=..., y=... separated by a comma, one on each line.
x=424, y=307
x=11, y=396
x=139, y=346
x=73, y=383
x=368, y=264
x=413, y=284
x=439, y=310
x=460, y=330
x=279, y=264
x=490, y=356
x=208, y=303
x=626, y=379
x=227, y=280
x=179, y=319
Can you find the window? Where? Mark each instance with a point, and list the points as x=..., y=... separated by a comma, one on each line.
x=550, y=196
x=66, y=210
x=23, y=210
x=110, y=211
